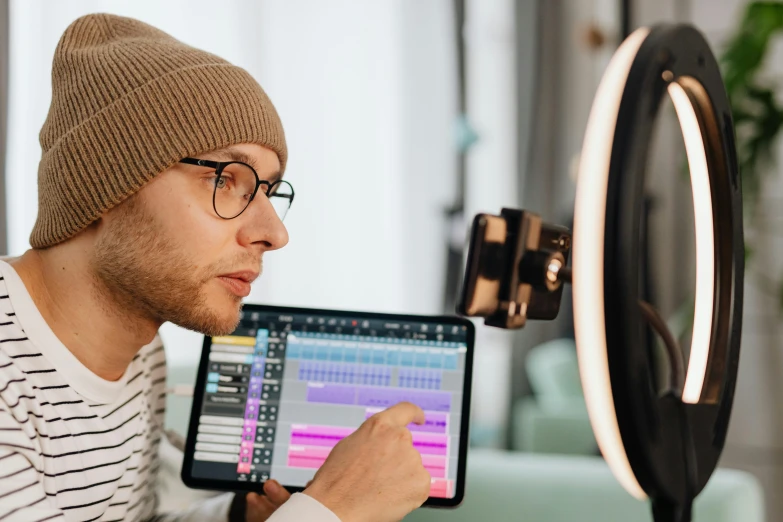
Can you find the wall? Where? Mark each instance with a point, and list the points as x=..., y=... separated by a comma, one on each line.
x=3, y=115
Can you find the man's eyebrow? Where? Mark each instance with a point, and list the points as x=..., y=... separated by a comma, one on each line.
x=232, y=154
x=274, y=178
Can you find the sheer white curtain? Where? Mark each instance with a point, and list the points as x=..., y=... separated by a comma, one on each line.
x=366, y=93
x=492, y=183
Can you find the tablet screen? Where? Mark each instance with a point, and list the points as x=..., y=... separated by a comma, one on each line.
x=289, y=384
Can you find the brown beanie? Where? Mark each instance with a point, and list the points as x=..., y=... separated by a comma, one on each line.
x=129, y=101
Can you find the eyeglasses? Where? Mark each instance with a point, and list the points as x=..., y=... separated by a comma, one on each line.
x=236, y=185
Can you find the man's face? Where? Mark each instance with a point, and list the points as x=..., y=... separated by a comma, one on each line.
x=165, y=254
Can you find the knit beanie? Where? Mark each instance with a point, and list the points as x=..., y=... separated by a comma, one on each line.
x=129, y=101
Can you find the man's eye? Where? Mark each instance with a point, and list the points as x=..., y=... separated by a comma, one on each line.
x=220, y=181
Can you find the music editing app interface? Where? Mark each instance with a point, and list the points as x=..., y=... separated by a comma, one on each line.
x=281, y=391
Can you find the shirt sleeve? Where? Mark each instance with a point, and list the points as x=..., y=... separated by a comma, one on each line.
x=300, y=507
x=303, y=507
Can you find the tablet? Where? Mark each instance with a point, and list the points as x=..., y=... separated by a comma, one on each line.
x=273, y=398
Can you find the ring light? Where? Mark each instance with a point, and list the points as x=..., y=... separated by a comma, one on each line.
x=661, y=447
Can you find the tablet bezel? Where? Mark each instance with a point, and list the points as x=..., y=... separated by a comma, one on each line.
x=201, y=377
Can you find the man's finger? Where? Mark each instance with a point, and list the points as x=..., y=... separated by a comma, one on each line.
x=403, y=414
x=276, y=493
x=259, y=508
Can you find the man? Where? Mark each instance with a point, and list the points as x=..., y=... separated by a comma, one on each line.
x=137, y=226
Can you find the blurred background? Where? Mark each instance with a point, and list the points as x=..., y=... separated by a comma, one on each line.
x=405, y=118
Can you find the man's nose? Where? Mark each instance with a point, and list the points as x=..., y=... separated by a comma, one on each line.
x=263, y=225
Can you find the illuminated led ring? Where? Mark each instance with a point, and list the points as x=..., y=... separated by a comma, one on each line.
x=639, y=433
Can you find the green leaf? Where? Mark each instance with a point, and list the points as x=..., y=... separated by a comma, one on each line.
x=746, y=51
x=758, y=118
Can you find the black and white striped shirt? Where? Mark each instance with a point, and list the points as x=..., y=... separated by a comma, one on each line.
x=73, y=446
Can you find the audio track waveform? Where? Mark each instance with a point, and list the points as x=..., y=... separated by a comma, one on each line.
x=428, y=400
x=310, y=445
x=345, y=373
x=418, y=378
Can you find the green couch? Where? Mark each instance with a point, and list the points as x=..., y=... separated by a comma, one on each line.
x=523, y=487
x=554, y=419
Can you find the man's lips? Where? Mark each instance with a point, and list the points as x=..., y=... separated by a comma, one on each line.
x=248, y=276
x=239, y=282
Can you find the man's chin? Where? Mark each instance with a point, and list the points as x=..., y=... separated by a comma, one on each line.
x=214, y=321
x=225, y=326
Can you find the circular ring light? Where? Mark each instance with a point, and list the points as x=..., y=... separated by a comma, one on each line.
x=661, y=447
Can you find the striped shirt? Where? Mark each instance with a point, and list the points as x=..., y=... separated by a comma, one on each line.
x=75, y=447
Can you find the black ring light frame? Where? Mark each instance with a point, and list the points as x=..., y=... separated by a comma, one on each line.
x=662, y=447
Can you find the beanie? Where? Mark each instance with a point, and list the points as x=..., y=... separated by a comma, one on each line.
x=128, y=102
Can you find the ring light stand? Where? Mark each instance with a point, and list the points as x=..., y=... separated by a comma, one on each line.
x=664, y=446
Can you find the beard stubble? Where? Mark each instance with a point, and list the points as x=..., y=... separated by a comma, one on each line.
x=142, y=271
